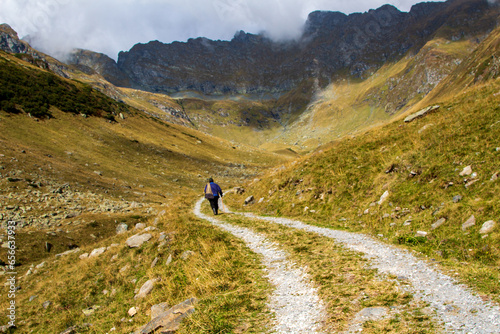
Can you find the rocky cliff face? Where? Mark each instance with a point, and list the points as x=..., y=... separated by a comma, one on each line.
x=333, y=45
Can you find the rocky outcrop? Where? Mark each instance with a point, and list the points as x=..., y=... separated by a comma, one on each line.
x=332, y=45
x=10, y=42
x=170, y=320
x=88, y=62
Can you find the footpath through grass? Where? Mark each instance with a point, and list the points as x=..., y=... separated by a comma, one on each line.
x=419, y=166
x=346, y=283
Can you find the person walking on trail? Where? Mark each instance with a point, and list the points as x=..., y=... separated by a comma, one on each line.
x=212, y=193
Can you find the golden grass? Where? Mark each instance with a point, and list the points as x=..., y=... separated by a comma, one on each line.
x=345, y=282
x=221, y=273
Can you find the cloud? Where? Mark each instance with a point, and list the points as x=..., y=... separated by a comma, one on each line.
x=109, y=26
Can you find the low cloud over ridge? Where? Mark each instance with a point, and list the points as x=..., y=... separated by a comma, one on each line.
x=109, y=26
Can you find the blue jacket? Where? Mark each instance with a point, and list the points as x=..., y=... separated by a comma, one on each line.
x=216, y=190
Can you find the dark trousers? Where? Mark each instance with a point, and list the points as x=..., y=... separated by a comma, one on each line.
x=214, y=204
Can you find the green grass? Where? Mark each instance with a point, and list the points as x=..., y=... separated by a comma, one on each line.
x=346, y=284
x=221, y=273
x=343, y=182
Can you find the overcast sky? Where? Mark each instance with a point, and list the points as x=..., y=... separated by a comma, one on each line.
x=110, y=26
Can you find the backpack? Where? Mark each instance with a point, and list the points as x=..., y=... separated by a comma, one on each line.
x=208, y=192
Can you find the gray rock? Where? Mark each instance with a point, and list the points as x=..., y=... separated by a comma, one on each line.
x=46, y=304
x=137, y=240
x=487, y=227
x=121, y=228
x=97, y=252
x=158, y=309
x=169, y=260
x=154, y=262
x=249, y=200
x=70, y=330
x=457, y=198
x=438, y=223
x=384, y=196
x=145, y=289
x=140, y=226
x=469, y=223
x=187, y=254
x=170, y=320
x=421, y=113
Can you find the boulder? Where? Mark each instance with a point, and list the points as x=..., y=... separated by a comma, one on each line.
x=158, y=309
x=137, y=240
x=466, y=171
x=121, y=228
x=140, y=226
x=487, y=227
x=145, y=289
x=97, y=252
x=383, y=197
x=421, y=234
x=132, y=311
x=438, y=223
x=469, y=223
x=421, y=113
x=170, y=320
x=249, y=200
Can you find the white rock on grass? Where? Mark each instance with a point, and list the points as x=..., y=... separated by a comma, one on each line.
x=121, y=228
x=145, y=289
x=132, y=311
x=469, y=223
x=488, y=227
x=466, y=171
x=438, y=223
x=383, y=197
x=137, y=240
x=97, y=252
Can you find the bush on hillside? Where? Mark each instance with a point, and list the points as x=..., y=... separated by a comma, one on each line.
x=34, y=92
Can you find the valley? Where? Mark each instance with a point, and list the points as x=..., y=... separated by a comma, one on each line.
x=102, y=169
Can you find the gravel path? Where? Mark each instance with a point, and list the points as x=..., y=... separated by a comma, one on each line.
x=459, y=309
x=294, y=301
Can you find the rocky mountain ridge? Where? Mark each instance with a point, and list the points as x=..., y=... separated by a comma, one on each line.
x=334, y=45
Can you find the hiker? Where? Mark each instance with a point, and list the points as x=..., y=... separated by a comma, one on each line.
x=212, y=193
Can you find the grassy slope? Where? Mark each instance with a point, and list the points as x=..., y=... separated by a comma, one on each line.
x=348, y=106
x=139, y=159
x=339, y=186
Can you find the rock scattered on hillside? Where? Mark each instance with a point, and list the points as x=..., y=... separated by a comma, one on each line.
x=488, y=227
x=469, y=223
x=170, y=320
x=132, y=311
x=145, y=289
x=466, y=171
x=438, y=223
x=121, y=228
x=249, y=200
x=137, y=240
x=421, y=113
x=384, y=196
